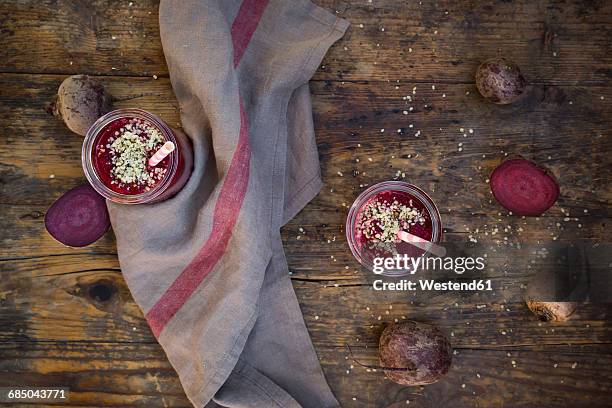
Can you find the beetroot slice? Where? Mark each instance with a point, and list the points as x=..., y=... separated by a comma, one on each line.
x=523, y=188
x=78, y=218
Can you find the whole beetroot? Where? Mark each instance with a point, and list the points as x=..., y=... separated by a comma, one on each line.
x=500, y=81
x=80, y=101
x=551, y=311
x=549, y=291
x=421, y=348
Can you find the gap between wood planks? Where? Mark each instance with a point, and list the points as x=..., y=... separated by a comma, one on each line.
x=493, y=347
x=354, y=281
x=28, y=258
x=586, y=84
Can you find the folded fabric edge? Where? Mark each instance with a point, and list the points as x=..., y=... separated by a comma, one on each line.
x=338, y=27
x=302, y=197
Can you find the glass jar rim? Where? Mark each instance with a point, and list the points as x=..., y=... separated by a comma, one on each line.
x=92, y=175
x=424, y=198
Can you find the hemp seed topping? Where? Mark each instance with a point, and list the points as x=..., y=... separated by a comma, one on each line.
x=382, y=220
x=129, y=150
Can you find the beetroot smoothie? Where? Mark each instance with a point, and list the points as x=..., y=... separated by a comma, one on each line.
x=121, y=154
x=381, y=212
x=389, y=212
x=116, y=157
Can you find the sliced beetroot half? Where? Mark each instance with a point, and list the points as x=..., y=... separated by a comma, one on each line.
x=523, y=187
x=78, y=218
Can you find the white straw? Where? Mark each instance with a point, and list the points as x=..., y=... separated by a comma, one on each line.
x=161, y=154
x=421, y=243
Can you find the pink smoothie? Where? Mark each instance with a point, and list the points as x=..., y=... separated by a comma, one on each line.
x=107, y=157
x=370, y=229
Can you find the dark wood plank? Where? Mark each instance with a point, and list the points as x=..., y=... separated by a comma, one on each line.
x=554, y=41
x=96, y=373
x=91, y=301
x=521, y=378
x=564, y=128
x=552, y=376
x=68, y=36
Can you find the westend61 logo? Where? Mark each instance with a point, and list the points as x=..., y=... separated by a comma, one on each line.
x=403, y=265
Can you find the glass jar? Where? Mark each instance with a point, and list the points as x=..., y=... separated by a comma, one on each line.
x=176, y=167
x=362, y=249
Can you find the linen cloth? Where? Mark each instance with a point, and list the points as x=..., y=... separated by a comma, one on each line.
x=207, y=266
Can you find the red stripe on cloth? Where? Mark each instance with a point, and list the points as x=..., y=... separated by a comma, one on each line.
x=245, y=24
x=225, y=216
x=231, y=196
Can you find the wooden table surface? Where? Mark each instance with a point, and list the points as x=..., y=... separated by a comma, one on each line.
x=67, y=317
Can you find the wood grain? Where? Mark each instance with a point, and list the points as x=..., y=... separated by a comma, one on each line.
x=553, y=41
x=139, y=375
x=94, y=304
